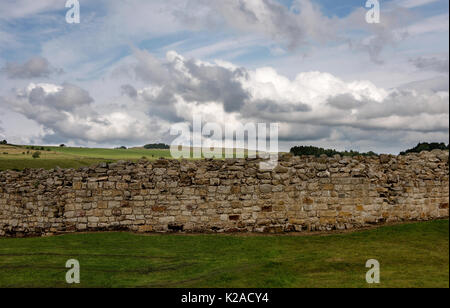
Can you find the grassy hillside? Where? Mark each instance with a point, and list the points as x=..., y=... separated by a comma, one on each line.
x=21, y=157
x=411, y=255
x=115, y=154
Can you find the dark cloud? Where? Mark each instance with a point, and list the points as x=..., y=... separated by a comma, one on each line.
x=437, y=84
x=69, y=98
x=37, y=67
x=56, y=109
x=405, y=104
x=215, y=84
x=129, y=91
x=344, y=102
x=402, y=109
x=162, y=105
x=192, y=80
x=300, y=132
x=271, y=109
x=436, y=64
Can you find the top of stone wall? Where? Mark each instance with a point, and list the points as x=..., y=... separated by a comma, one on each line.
x=356, y=166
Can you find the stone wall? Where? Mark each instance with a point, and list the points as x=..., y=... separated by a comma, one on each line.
x=301, y=194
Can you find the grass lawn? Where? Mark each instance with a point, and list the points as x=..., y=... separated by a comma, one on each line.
x=17, y=158
x=411, y=255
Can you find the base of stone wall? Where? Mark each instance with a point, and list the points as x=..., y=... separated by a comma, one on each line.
x=270, y=230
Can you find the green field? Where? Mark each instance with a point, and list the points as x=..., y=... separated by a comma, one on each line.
x=20, y=157
x=411, y=255
x=17, y=158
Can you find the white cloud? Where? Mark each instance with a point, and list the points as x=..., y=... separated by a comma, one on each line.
x=313, y=106
x=10, y=9
x=415, y=3
x=438, y=23
x=66, y=113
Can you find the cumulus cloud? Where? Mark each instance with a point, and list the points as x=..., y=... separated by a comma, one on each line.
x=67, y=113
x=37, y=67
x=312, y=107
x=192, y=80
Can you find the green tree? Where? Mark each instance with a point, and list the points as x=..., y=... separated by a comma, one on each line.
x=315, y=151
x=425, y=146
x=157, y=146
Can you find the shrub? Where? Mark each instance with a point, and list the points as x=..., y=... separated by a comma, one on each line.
x=157, y=146
x=36, y=155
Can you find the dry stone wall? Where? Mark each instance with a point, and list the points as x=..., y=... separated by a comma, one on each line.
x=301, y=194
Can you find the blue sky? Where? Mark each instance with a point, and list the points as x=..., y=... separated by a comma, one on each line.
x=180, y=57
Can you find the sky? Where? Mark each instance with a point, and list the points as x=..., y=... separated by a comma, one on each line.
x=131, y=69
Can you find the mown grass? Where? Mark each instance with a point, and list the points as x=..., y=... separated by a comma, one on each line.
x=411, y=255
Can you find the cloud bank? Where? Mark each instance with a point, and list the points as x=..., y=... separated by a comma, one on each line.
x=313, y=107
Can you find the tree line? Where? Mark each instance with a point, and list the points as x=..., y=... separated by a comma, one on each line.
x=316, y=151
x=426, y=147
